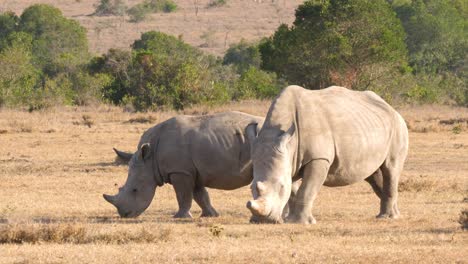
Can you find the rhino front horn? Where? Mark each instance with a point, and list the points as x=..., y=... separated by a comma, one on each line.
x=254, y=207
x=109, y=198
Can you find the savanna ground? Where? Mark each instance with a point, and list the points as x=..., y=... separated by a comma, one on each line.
x=55, y=165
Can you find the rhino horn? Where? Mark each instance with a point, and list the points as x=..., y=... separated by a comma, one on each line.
x=110, y=198
x=254, y=207
x=125, y=156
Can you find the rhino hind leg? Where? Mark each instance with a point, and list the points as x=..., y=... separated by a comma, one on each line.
x=376, y=182
x=314, y=176
x=391, y=171
x=183, y=187
x=202, y=198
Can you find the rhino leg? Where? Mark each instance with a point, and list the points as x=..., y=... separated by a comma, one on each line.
x=376, y=182
x=183, y=186
x=201, y=196
x=388, y=203
x=314, y=176
x=292, y=199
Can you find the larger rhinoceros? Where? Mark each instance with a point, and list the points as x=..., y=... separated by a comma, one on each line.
x=331, y=137
x=191, y=153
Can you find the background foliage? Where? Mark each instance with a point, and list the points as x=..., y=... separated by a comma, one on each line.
x=405, y=50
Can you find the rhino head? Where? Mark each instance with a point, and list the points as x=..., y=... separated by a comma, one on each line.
x=139, y=189
x=272, y=169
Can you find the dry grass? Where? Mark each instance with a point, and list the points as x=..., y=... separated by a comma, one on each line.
x=52, y=211
x=77, y=233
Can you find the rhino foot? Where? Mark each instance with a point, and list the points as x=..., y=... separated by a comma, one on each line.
x=209, y=213
x=183, y=215
x=301, y=220
x=387, y=216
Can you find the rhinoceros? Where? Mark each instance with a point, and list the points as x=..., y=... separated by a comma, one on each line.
x=191, y=153
x=331, y=137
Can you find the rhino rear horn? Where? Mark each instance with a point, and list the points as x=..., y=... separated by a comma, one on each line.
x=125, y=156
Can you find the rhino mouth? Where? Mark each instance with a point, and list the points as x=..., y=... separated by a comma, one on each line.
x=256, y=219
x=126, y=214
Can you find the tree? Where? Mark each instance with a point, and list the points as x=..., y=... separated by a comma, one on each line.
x=437, y=42
x=339, y=42
x=8, y=25
x=18, y=77
x=243, y=55
x=59, y=44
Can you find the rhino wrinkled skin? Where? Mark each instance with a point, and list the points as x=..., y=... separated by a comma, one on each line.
x=191, y=153
x=331, y=137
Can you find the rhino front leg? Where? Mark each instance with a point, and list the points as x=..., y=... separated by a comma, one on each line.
x=201, y=196
x=292, y=199
x=314, y=176
x=183, y=187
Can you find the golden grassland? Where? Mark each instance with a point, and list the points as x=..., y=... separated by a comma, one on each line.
x=55, y=164
x=210, y=29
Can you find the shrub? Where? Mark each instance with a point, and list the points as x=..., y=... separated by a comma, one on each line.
x=138, y=13
x=18, y=77
x=216, y=3
x=8, y=23
x=57, y=41
x=337, y=42
x=162, y=71
x=243, y=55
x=110, y=7
x=141, y=11
x=255, y=83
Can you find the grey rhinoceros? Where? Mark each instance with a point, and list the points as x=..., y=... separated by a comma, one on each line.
x=331, y=137
x=191, y=153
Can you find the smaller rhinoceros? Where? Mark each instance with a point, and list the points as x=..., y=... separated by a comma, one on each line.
x=191, y=153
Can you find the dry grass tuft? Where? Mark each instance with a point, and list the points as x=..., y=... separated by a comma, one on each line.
x=452, y=121
x=417, y=185
x=57, y=233
x=74, y=233
x=216, y=230
x=21, y=127
x=86, y=120
x=464, y=219
x=142, y=120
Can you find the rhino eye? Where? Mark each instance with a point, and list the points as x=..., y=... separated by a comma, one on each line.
x=134, y=190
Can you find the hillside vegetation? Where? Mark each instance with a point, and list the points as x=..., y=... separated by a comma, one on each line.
x=406, y=51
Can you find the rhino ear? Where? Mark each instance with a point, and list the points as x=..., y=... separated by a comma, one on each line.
x=251, y=132
x=145, y=151
x=286, y=137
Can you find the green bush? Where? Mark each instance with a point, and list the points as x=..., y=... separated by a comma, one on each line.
x=56, y=39
x=141, y=11
x=162, y=71
x=337, y=42
x=243, y=56
x=216, y=3
x=255, y=83
x=138, y=13
x=18, y=76
x=8, y=23
x=110, y=7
